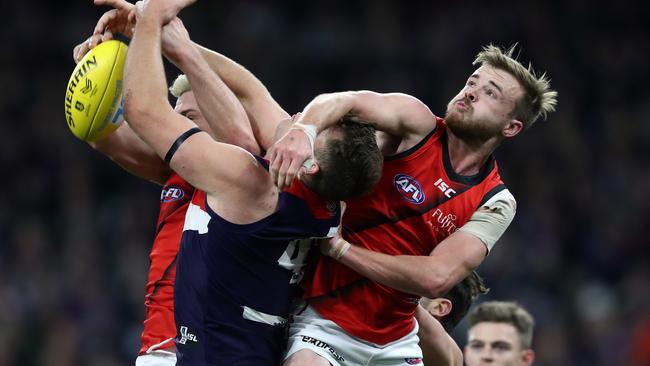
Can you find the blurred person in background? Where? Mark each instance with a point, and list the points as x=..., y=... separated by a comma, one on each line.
x=500, y=334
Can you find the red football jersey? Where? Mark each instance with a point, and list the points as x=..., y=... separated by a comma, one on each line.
x=159, y=324
x=418, y=202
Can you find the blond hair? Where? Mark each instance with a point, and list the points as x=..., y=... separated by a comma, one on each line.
x=180, y=85
x=538, y=99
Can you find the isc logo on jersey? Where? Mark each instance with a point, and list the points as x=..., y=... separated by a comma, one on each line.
x=409, y=188
x=171, y=193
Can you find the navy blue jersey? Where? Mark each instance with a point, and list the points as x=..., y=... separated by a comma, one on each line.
x=235, y=284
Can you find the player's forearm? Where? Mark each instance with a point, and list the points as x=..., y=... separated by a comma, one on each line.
x=418, y=275
x=326, y=110
x=222, y=110
x=263, y=111
x=145, y=87
x=241, y=81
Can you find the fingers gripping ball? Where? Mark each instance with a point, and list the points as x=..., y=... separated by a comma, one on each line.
x=93, y=99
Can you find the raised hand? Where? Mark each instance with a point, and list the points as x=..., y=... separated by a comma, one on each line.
x=118, y=20
x=163, y=10
x=80, y=50
x=175, y=39
x=292, y=154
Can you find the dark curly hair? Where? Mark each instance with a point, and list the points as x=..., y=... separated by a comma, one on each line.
x=461, y=296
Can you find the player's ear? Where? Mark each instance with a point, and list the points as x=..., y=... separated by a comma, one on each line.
x=528, y=356
x=313, y=169
x=305, y=172
x=439, y=307
x=512, y=128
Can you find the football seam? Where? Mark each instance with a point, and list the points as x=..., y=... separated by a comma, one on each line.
x=90, y=128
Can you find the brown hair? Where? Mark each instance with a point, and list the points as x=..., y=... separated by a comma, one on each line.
x=461, y=296
x=538, y=99
x=349, y=166
x=509, y=313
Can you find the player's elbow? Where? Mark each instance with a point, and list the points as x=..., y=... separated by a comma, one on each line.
x=244, y=140
x=133, y=108
x=337, y=98
x=137, y=110
x=432, y=288
x=435, y=284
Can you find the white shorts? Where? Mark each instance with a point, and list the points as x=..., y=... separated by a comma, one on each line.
x=324, y=337
x=158, y=357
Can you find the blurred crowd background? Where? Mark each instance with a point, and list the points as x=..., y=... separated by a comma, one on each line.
x=75, y=230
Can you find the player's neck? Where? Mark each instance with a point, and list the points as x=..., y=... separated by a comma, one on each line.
x=466, y=158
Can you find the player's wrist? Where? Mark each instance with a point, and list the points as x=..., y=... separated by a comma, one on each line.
x=338, y=250
x=310, y=131
x=186, y=57
x=149, y=21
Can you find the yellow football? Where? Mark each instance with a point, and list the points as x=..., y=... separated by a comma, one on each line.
x=93, y=99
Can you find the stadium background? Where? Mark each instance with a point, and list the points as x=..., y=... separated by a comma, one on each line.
x=75, y=230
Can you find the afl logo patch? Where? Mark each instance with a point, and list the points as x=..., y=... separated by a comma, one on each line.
x=409, y=188
x=171, y=193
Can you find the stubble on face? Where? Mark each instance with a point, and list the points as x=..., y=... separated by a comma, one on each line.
x=462, y=123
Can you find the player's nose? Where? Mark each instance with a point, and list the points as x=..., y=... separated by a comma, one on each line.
x=471, y=95
x=487, y=356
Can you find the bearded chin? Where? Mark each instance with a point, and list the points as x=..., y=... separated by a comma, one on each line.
x=467, y=130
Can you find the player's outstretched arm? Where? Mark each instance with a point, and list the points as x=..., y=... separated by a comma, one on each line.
x=222, y=110
x=263, y=111
x=397, y=114
x=438, y=348
x=206, y=164
x=401, y=116
x=128, y=150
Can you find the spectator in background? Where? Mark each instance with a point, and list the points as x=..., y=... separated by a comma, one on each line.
x=500, y=334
